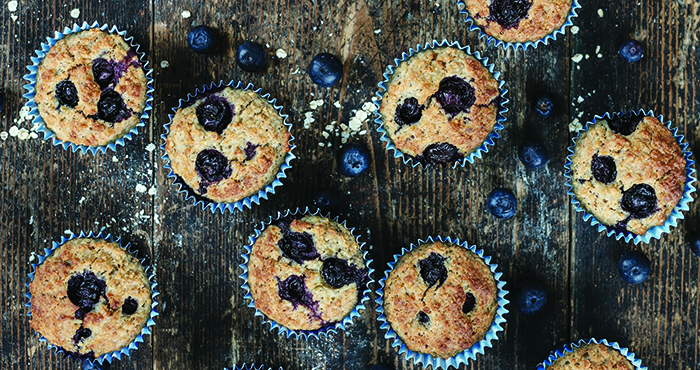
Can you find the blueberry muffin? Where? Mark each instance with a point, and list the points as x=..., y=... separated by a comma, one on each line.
x=518, y=21
x=227, y=144
x=440, y=299
x=628, y=172
x=91, y=88
x=90, y=297
x=591, y=357
x=306, y=273
x=440, y=105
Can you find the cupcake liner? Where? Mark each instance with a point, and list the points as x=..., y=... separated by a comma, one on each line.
x=656, y=231
x=637, y=363
x=470, y=353
x=150, y=272
x=250, y=367
x=305, y=334
x=247, y=201
x=30, y=87
x=500, y=116
x=516, y=45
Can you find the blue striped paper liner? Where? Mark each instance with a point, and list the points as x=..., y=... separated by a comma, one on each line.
x=31, y=77
x=247, y=201
x=150, y=272
x=516, y=45
x=305, y=334
x=470, y=353
x=637, y=363
x=500, y=115
x=656, y=231
x=250, y=367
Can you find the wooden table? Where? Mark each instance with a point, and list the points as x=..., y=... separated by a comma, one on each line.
x=48, y=192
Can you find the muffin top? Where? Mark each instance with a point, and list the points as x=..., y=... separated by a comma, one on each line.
x=440, y=298
x=591, y=357
x=227, y=144
x=440, y=105
x=307, y=273
x=90, y=297
x=91, y=88
x=628, y=172
x=518, y=20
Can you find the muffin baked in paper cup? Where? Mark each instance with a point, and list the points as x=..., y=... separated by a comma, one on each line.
x=246, y=202
x=470, y=353
x=332, y=327
x=471, y=24
x=251, y=367
x=682, y=205
x=146, y=330
x=637, y=363
x=38, y=121
x=383, y=89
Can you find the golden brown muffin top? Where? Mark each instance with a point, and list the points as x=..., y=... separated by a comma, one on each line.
x=592, y=357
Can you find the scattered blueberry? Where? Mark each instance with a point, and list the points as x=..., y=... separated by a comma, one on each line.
x=639, y=200
x=440, y=154
x=455, y=95
x=81, y=334
x=544, y=106
x=66, y=93
x=530, y=297
x=633, y=267
x=337, y=273
x=469, y=303
x=111, y=107
x=327, y=200
x=212, y=166
x=631, y=51
x=625, y=124
x=250, y=150
x=408, y=112
x=84, y=290
x=423, y=317
x=508, y=13
x=298, y=247
x=380, y=367
x=694, y=243
x=501, y=203
x=353, y=159
x=2, y=101
x=103, y=72
x=251, y=56
x=214, y=114
x=432, y=269
x=202, y=39
x=604, y=168
x=533, y=154
x=130, y=306
x=325, y=70
x=293, y=289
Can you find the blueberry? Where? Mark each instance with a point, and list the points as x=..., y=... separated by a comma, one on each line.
x=84, y=290
x=455, y=95
x=130, y=306
x=533, y=154
x=508, y=13
x=327, y=200
x=250, y=150
x=325, y=70
x=215, y=114
x=432, y=269
x=530, y=297
x=66, y=93
x=212, y=166
x=380, y=367
x=202, y=39
x=111, y=107
x=423, y=317
x=408, y=112
x=353, y=159
x=501, y=203
x=293, y=289
x=103, y=72
x=337, y=273
x=81, y=334
x=440, y=154
x=298, y=247
x=469, y=303
x=639, y=200
x=625, y=124
x=631, y=51
x=604, y=168
x=2, y=101
x=544, y=106
x=694, y=243
x=633, y=267
x=251, y=57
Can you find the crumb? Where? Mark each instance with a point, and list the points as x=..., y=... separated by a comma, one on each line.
x=295, y=72
x=579, y=100
x=68, y=232
x=597, y=49
x=150, y=147
x=377, y=32
x=186, y=14
x=4, y=135
x=281, y=53
x=574, y=30
x=577, y=58
x=75, y=13
x=575, y=125
x=587, y=56
x=337, y=104
x=14, y=131
x=321, y=144
x=12, y=6
x=164, y=64
x=315, y=103
x=140, y=188
x=600, y=13
x=599, y=56
x=14, y=17
x=308, y=119
x=325, y=134
x=152, y=190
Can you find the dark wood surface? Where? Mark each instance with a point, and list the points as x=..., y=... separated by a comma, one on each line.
x=205, y=323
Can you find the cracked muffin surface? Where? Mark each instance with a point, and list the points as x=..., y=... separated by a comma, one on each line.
x=227, y=144
x=592, y=357
x=91, y=88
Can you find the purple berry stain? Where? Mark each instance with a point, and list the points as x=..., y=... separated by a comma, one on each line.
x=212, y=166
x=639, y=200
x=250, y=150
x=66, y=93
x=603, y=168
x=432, y=269
x=84, y=290
x=440, y=154
x=103, y=72
x=130, y=306
x=215, y=114
x=337, y=273
x=625, y=124
x=408, y=113
x=455, y=95
x=293, y=289
x=508, y=13
x=469, y=303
